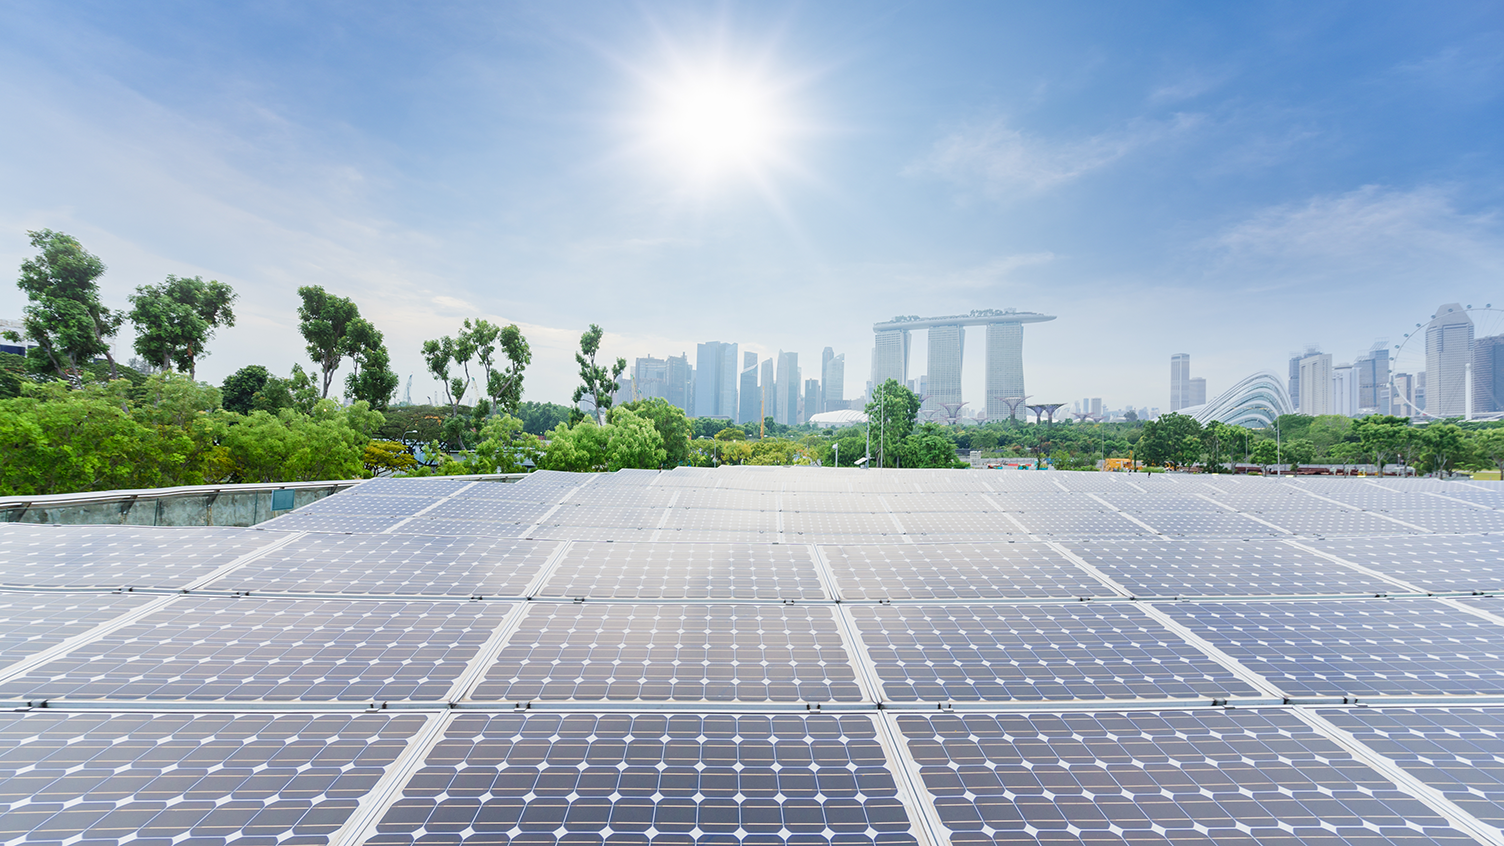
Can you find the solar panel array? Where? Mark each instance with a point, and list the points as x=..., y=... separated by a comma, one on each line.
x=768, y=655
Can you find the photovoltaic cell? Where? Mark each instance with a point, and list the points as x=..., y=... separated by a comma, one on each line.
x=619, y=778
x=117, y=556
x=1458, y=751
x=1152, y=568
x=745, y=653
x=298, y=521
x=1437, y=564
x=1212, y=777
x=367, y=505
x=31, y=622
x=1315, y=522
x=1003, y=653
x=213, y=648
x=177, y=778
x=1081, y=523
x=394, y=564
x=685, y=571
x=1356, y=647
x=993, y=570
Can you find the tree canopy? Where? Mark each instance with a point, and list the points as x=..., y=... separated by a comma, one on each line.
x=64, y=316
x=175, y=320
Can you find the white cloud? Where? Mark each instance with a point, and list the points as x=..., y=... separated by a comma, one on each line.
x=999, y=160
x=1372, y=227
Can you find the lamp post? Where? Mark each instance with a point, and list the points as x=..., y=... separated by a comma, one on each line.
x=837, y=448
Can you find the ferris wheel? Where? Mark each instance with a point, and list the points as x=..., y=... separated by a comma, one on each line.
x=1434, y=373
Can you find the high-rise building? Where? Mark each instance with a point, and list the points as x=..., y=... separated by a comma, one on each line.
x=1373, y=380
x=1180, y=381
x=1449, y=351
x=1420, y=390
x=649, y=379
x=1195, y=392
x=750, y=397
x=825, y=356
x=833, y=383
x=1095, y=406
x=1345, y=390
x=811, y=400
x=947, y=345
x=1402, y=402
x=1005, y=363
x=788, y=389
x=769, y=393
x=681, y=383
x=715, y=380
x=1488, y=374
x=1295, y=360
x=1316, y=384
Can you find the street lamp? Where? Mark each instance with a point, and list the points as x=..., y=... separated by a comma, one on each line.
x=837, y=448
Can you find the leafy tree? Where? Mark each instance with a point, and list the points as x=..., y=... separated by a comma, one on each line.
x=325, y=322
x=387, y=458
x=891, y=415
x=504, y=383
x=581, y=449
x=1489, y=444
x=1381, y=437
x=288, y=446
x=930, y=446
x=777, y=451
x=1348, y=453
x=443, y=354
x=1298, y=452
x=1174, y=440
x=1442, y=444
x=373, y=380
x=64, y=316
x=1266, y=455
x=598, y=384
x=175, y=320
x=709, y=427
x=539, y=417
x=633, y=441
x=1217, y=441
x=669, y=420
x=298, y=392
x=240, y=388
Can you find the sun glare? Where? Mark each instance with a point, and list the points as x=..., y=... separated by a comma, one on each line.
x=717, y=123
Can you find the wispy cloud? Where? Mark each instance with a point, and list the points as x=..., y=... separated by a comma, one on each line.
x=1372, y=226
x=999, y=160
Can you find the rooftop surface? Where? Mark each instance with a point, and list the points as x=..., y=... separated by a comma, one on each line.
x=769, y=655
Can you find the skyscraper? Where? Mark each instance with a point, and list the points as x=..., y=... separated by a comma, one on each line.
x=715, y=380
x=890, y=356
x=1295, y=360
x=833, y=383
x=825, y=356
x=788, y=388
x=1345, y=390
x=769, y=393
x=947, y=347
x=1402, y=402
x=811, y=400
x=1449, y=350
x=1316, y=384
x=1180, y=381
x=1005, y=364
x=1488, y=374
x=649, y=379
x=681, y=383
x=1373, y=380
x=749, y=393
x=1005, y=367
x=1195, y=392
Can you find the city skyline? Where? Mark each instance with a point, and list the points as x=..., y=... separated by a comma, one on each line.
x=1230, y=181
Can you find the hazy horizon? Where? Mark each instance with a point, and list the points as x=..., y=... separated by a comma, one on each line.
x=1230, y=182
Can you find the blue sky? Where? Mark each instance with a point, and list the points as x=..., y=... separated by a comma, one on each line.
x=1230, y=180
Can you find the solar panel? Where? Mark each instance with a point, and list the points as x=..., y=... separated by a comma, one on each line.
x=1356, y=647
x=381, y=565
x=173, y=778
x=1035, y=652
x=1240, y=776
x=995, y=570
x=214, y=648
x=1169, y=568
x=679, y=570
x=1438, y=564
x=31, y=622
x=622, y=778
x=117, y=556
x=742, y=653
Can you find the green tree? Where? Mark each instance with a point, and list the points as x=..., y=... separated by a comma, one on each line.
x=540, y=417
x=504, y=382
x=238, y=393
x=930, y=445
x=289, y=447
x=891, y=415
x=372, y=381
x=1174, y=440
x=1381, y=437
x=175, y=320
x=669, y=420
x=1489, y=444
x=1266, y=455
x=65, y=317
x=581, y=449
x=1442, y=445
x=325, y=322
x=1298, y=452
x=598, y=384
x=633, y=442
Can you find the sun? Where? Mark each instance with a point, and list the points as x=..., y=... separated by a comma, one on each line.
x=716, y=122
